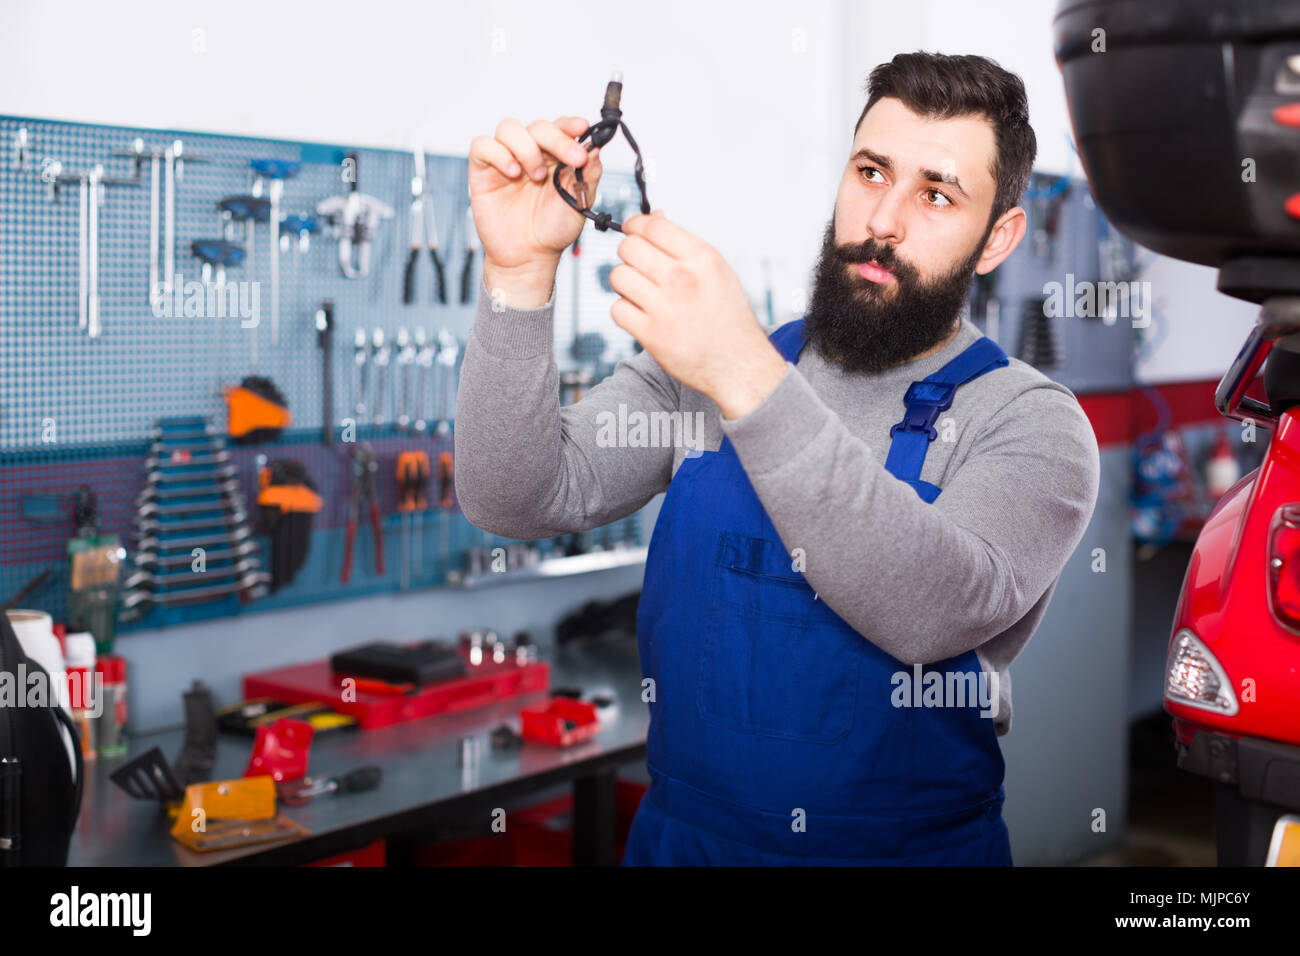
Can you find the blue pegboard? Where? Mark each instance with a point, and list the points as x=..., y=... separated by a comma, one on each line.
x=75, y=409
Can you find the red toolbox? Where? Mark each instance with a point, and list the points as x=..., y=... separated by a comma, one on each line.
x=484, y=684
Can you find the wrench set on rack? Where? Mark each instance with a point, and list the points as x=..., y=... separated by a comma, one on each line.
x=407, y=380
x=193, y=539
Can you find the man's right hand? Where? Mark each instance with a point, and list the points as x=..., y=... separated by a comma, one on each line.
x=522, y=222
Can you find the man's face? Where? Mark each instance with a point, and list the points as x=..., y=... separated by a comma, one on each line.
x=910, y=230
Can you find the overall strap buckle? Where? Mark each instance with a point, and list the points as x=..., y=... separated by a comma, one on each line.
x=924, y=402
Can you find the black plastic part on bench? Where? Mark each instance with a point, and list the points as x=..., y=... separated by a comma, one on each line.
x=425, y=663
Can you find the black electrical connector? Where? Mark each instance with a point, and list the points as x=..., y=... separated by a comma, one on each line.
x=600, y=133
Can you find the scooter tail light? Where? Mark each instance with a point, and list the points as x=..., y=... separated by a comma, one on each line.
x=1194, y=677
x=1284, y=566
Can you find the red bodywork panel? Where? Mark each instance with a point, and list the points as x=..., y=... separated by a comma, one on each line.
x=1225, y=600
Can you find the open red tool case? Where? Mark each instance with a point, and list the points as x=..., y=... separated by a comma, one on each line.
x=560, y=721
x=377, y=705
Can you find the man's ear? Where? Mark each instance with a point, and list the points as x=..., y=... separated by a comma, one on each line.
x=1003, y=239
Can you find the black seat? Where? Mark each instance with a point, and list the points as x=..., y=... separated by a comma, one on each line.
x=1282, y=379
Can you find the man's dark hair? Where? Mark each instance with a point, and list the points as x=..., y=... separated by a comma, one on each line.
x=940, y=86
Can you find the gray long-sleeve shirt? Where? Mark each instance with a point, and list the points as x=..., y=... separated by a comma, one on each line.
x=1016, y=459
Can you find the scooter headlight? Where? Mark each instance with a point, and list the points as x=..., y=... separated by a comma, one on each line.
x=1195, y=678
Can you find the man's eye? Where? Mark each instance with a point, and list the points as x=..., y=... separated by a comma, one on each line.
x=938, y=205
x=871, y=169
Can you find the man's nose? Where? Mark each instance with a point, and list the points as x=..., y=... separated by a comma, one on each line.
x=885, y=221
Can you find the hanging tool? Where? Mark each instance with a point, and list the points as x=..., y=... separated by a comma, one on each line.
x=18, y=157
x=405, y=365
x=248, y=211
x=287, y=501
x=423, y=230
x=22, y=593
x=325, y=339
x=270, y=175
x=360, y=353
x=424, y=353
x=90, y=199
x=446, y=498
x=1047, y=202
x=471, y=246
x=137, y=152
x=413, y=475
x=174, y=169
x=83, y=253
x=448, y=350
x=302, y=791
x=365, y=466
x=380, y=353
x=356, y=216
x=169, y=215
x=258, y=411
x=167, y=162
x=301, y=226
x=217, y=255
x=95, y=193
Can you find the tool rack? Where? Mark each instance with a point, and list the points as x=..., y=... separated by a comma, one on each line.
x=77, y=408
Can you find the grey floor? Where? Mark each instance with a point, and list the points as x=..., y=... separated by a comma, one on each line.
x=1171, y=812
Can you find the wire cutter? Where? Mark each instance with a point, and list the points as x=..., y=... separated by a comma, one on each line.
x=365, y=465
x=423, y=228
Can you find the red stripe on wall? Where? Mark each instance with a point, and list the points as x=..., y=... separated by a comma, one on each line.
x=1119, y=417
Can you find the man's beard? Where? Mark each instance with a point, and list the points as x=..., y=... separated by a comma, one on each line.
x=866, y=326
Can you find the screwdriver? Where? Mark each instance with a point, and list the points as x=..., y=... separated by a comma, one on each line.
x=446, y=485
x=354, y=781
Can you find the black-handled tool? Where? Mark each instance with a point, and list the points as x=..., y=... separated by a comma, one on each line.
x=471, y=246
x=325, y=339
x=423, y=232
x=299, y=792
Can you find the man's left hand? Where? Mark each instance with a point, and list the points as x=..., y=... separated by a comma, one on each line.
x=687, y=308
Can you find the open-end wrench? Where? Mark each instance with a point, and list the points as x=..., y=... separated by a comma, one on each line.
x=424, y=353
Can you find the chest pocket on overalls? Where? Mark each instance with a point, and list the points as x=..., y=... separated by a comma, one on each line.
x=774, y=662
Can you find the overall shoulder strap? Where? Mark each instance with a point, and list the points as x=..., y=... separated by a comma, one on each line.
x=924, y=401
x=789, y=340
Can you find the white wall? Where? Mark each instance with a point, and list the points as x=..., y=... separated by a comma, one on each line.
x=735, y=121
x=744, y=110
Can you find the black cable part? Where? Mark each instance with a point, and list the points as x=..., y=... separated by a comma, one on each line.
x=601, y=133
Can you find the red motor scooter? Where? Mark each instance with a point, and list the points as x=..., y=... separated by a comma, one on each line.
x=1187, y=121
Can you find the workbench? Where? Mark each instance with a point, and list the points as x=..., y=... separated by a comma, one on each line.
x=423, y=787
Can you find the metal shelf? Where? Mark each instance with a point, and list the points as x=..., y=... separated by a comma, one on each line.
x=552, y=568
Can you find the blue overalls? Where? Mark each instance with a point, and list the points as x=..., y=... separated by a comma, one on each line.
x=773, y=739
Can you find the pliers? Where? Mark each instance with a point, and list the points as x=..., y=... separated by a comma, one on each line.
x=423, y=229
x=365, y=465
